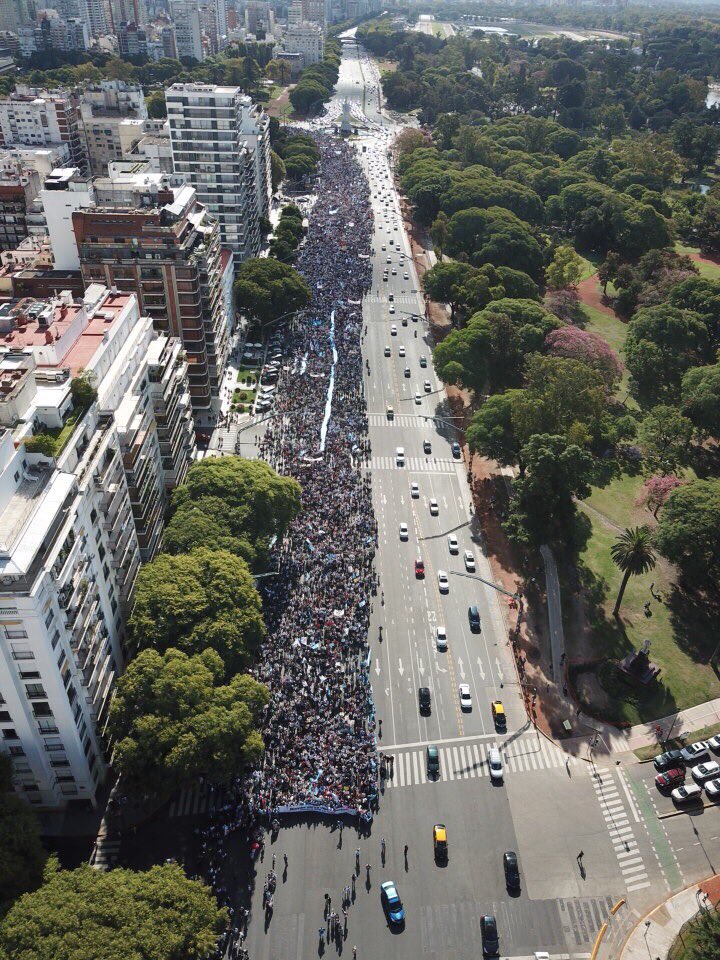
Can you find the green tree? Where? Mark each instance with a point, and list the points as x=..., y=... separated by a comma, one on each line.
x=206, y=598
x=173, y=721
x=632, y=553
x=491, y=432
x=266, y=289
x=439, y=232
x=84, y=914
x=22, y=857
x=542, y=508
x=237, y=500
x=689, y=532
x=662, y=343
x=308, y=94
x=155, y=103
x=42, y=443
x=664, y=436
x=82, y=389
x=495, y=236
x=445, y=283
x=705, y=944
x=277, y=170
x=707, y=227
x=696, y=143
x=566, y=269
x=701, y=398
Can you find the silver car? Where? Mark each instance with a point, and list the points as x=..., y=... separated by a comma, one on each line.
x=495, y=764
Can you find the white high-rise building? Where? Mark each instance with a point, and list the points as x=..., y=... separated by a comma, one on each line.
x=185, y=15
x=75, y=522
x=220, y=144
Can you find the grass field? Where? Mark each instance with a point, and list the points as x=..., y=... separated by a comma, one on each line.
x=709, y=270
x=680, y=641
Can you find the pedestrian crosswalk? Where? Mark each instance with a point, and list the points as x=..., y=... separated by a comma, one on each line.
x=415, y=464
x=399, y=420
x=465, y=760
x=372, y=298
x=627, y=852
x=192, y=801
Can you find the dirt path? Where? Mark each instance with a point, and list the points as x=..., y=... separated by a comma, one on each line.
x=710, y=261
x=590, y=294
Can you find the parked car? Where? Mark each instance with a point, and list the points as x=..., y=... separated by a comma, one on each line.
x=512, y=871
x=687, y=793
x=671, y=778
x=669, y=760
x=695, y=751
x=706, y=771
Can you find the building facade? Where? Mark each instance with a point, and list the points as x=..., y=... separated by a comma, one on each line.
x=308, y=40
x=185, y=16
x=41, y=118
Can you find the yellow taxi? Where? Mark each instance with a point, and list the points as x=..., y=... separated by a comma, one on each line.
x=498, y=712
x=440, y=841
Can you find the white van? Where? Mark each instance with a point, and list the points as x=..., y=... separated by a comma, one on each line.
x=400, y=456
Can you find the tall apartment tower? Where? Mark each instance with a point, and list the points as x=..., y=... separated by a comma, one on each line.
x=188, y=33
x=220, y=144
x=75, y=524
x=41, y=118
x=158, y=241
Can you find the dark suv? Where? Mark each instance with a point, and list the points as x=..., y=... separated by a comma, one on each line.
x=474, y=618
x=490, y=942
x=424, y=699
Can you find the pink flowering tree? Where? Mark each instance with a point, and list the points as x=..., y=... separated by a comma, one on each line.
x=656, y=490
x=590, y=348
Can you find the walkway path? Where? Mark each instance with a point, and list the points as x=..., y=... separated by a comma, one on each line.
x=557, y=634
x=590, y=294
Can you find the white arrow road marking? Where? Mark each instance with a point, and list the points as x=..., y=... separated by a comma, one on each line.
x=401, y=669
x=440, y=669
x=377, y=667
x=499, y=669
x=480, y=668
x=421, y=668
x=462, y=669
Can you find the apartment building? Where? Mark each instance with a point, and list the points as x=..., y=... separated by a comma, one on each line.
x=185, y=16
x=19, y=185
x=308, y=40
x=74, y=525
x=220, y=144
x=41, y=118
x=143, y=235
x=112, y=116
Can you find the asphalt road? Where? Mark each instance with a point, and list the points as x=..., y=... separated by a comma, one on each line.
x=549, y=806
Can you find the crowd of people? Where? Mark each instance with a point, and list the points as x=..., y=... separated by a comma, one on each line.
x=319, y=733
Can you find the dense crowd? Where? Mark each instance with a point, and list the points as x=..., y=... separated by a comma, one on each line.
x=319, y=734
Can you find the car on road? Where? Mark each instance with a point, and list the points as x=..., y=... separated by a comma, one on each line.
x=694, y=751
x=391, y=308
x=687, y=793
x=390, y=413
x=706, y=771
x=403, y=531
x=424, y=699
x=406, y=371
x=434, y=509
x=669, y=760
x=419, y=568
x=489, y=934
x=440, y=844
x=393, y=272
x=432, y=760
x=427, y=446
x=423, y=361
x=388, y=259
x=495, y=764
x=712, y=788
x=427, y=386
x=469, y=559
x=387, y=351
x=714, y=743
x=414, y=491
x=393, y=331
x=465, y=696
x=385, y=277
x=392, y=902
x=456, y=449
x=418, y=399
x=670, y=778
x=453, y=545
x=474, y=619
x=406, y=276
x=443, y=582
x=498, y=713
x=400, y=456
x=401, y=352
x=383, y=247
x=441, y=638
x=512, y=871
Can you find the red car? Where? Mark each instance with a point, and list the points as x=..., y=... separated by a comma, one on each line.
x=419, y=569
x=671, y=778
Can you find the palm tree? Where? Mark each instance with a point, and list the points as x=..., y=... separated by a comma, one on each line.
x=632, y=552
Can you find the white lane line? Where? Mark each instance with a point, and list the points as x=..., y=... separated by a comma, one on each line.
x=625, y=787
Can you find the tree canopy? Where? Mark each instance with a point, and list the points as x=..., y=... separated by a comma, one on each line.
x=22, y=857
x=689, y=531
x=84, y=914
x=173, y=721
x=205, y=598
x=267, y=289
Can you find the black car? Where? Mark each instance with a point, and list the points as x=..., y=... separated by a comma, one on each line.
x=512, y=872
x=669, y=760
x=424, y=699
x=456, y=449
x=474, y=619
x=490, y=942
x=427, y=447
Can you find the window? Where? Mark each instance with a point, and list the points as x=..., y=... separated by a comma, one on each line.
x=17, y=752
x=42, y=709
x=49, y=618
x=10, y=734
x=5, y=717
x=106, y=571
x=29, y=675
x=35, y=690
x=72, y=694
x=47, y=726
x=54, y=746
x=15, y=634
x=55, y=638
x=22, y=652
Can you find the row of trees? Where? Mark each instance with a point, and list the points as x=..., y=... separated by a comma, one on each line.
x=316, y=82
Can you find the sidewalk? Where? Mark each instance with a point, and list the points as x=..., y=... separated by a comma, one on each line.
x=655, y=934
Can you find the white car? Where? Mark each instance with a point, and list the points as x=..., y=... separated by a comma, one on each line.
x=401, y=351
x=686, y=793
x=441, y=638
x=469, y=559
x=465, y=697
x=393, y=331
x=714, y=743
x=694, y=751
x=495, y=764
x=453, y=543
x=403, y=531
x=391, y=309
x=434, y=508
x=383, y=247
x=706, y=771
x=712, y=787
x=418, y=399
x=400, y=456
x=393, y=272
x=414, y=491
x=444, y=584
x=427, y=386
x=406, y=276
x=388, y=259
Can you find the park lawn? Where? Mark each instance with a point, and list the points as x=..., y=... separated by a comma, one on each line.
x=590, y=265
x=610, y=328
x=684, y=681
x=709, y=270
x=248, y=373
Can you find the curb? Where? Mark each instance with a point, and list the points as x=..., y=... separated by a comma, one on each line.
x=688, y=811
